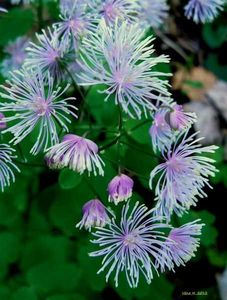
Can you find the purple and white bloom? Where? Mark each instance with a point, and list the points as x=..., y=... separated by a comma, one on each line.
x=34, y=104
x=48, y=55
x=121, y=59
x=76, y=153
x=2, y=9
x=185, y=243
x=2, y=122
x=203, y=11
x=75, y=23
x=183, y=174
x=7, y=166
x=179, y=119
x=153, y=13
x=16, y=55
x=120, y=188
x=132, y=245
x=94, y=215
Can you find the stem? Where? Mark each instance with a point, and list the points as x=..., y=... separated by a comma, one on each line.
x=92, y=188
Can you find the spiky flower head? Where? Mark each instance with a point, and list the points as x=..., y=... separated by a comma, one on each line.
x=132, y=245
x=76, y=153
x=94, y=215
x=16, y=55
x=153, y=13
x=120, y=188
x=179, y=119
x=183, y=174
x=48, y=54
x=203, y=11
x=121, y=58
x=186, y=240
x=7, y=166
x=34, y=104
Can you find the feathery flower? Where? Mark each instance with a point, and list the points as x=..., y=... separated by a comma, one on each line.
x=203, y=11
x=94, y=215
x=183, y=174
x=47, y=55
x=119, y=58
x=185, y=243
x=76, y=153
x=6, y=166
x=153, y=13
x=16, y=55
x=179, y=119
x=120, y=188
x=2, y=121
x=35, y=104
x=132, y=245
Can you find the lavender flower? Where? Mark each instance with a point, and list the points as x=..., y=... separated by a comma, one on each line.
x=179, y=119
x=6, y=166
x=203, y=11
x=16, y=52
x=131, y=245
x=120, y=188
x=94, y=214
x=120, y=59
x=185, y=243
x=48, y=55
x=183, y=174
x=153, y=13
x=76, y=153
x=35, y=105
x=2, y=121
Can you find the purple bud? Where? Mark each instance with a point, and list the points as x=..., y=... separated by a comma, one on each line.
x=94, y=214
x=2, y=123
x=178, y=119
x=120, y=188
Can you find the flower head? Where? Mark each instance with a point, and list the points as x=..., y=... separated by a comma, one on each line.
x=120, y=188
x=7, y=166
x=47, y=55
x=153, y=13
x=119, y=58
x=131, y=245
x=203, y=11
x=94, y=215
x=179, y=119
x=183, y=174
x=16, y=55
x=34, y=103
x=185, y=243
x=76, y=153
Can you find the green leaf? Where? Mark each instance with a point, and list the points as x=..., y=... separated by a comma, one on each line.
x=67, y=297
x=214, y=37
x=216, y=258
x=69, y=179
x=9, y=247
x=24, y=293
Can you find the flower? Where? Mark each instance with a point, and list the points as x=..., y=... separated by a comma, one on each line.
x=153, y=13
x=76, y=153
x=34, y=103
x=94, y=215
x=203, y=11
x=179, y=119
x=3, y=10
x=2, y=121
x=185, y=243
x=7, y=166
x=48, y=55
x=17, y=54
x=120, y=188
x=131, y=245
x=183, y=174
x=119, y=58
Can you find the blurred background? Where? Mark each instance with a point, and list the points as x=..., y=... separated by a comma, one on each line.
x=42, y=254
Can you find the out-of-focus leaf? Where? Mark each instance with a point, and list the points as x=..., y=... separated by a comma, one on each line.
x=67, y=297
x=216, y=258
x=9, y=247
x=69, y=179
x=214, y=37
x=24, y=293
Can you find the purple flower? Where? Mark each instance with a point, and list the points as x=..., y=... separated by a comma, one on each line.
x=153, y=13
x=47, y=55
x=179, y=119
x=131, y=245
x=34, y=104
x=76, y=153
x=185, y=243
x=6, y=166
x=183, y=174
x=16, y=55
x=119, y=58
x=120, y=188
x=94, y=215
x=203, y=11
x=2, y=121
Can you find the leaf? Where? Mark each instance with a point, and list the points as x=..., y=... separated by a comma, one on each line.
x=24, y=293
x=214, y=37
x=9, y=247
x=69, y=179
